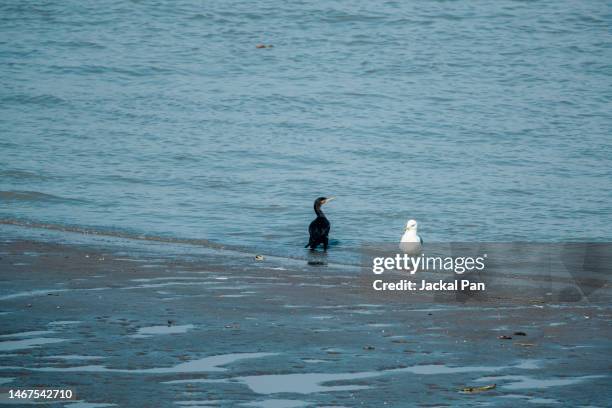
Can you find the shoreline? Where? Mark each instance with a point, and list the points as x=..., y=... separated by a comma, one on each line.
x=118, y=324
x=148, y=244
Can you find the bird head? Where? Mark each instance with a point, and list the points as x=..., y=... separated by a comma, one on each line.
x=323, y=200
x=411, y=225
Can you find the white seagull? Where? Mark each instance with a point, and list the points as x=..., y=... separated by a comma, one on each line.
x=411, y=242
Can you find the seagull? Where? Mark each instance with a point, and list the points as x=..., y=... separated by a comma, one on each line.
x=411, y=242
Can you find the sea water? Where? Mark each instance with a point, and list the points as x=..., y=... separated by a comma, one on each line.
x=484, y=121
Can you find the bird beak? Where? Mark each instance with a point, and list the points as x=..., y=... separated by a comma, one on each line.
x=329, y=199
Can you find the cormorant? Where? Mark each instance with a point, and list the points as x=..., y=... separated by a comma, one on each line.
x=319, y=227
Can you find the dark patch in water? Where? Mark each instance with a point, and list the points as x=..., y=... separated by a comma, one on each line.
x=35, y=196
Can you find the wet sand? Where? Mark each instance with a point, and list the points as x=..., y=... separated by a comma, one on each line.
x=132, y=328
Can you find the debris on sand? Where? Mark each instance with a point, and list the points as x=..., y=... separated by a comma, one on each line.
x=259, y=257
x=503, y=337
x=520, y=333
x=368, y=347
x=474, y=390
x=264, y=46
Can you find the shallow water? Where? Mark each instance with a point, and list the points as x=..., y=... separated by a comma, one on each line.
x=277, y=403
x=206, y=364
x=71, y=357
x=485, y=121
x=27, y=334
x=523, y=382
x=13, y=345
x=315, y=382
x=160, y=330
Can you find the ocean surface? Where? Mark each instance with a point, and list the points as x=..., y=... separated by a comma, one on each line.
x=484, y=121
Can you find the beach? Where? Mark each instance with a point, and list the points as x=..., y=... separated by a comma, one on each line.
x=133, y=326
x=164, y=164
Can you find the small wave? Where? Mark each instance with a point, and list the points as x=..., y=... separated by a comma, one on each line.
x=128, y=71
x=22, y=175
x=200, y=16
x=113, y=234
x=338, y=16
x=74, y=44
x=159, y=239
x=34, y=196
x=40, y=100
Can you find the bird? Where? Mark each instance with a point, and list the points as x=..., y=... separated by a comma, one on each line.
x=319, y=227
x=411, y=242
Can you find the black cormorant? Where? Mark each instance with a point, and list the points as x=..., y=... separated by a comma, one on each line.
x=319, y=227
